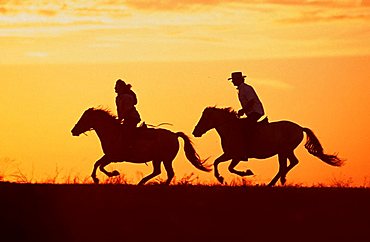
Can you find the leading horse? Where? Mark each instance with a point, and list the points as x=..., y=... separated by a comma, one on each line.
x=156, y=145
x=269, y=139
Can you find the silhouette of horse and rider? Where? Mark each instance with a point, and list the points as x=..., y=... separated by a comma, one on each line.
x=241, y=137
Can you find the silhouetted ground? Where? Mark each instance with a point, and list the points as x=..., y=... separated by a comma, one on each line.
x=37, y=212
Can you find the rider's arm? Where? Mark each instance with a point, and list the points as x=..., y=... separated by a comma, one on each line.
x=119, y=108
x=125, y=103
x=246, y=105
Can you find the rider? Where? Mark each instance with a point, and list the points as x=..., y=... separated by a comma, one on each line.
x=126, y=101
x=251, y=104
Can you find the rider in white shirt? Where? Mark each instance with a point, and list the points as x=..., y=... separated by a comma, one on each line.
x=251, y=104
x=252, y=107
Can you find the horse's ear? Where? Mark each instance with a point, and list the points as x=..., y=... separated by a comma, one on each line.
x=90, y=109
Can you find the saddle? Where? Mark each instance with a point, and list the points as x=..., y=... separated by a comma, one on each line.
x=130, y=136
x=133, y=130
x=249, y=127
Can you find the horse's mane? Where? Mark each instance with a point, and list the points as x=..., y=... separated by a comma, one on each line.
x=105, y=112
x=228, y=111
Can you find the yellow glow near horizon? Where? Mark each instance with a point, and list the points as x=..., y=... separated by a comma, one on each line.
x=309, y=62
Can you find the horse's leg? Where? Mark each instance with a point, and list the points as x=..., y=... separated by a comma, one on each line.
x=96, y=165
x=156, y=172
x=282, y=169
x=169, y=170
x=234, y=163
x=220, y=159
x=293, y=162
x=102, y=168
x=283, y=162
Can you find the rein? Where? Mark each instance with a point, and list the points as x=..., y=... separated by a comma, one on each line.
x=158, y=125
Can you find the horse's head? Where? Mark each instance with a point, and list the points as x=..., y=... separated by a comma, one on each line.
x=94, y=118
x=204, y=124
x=84, y=124
x=211, y=118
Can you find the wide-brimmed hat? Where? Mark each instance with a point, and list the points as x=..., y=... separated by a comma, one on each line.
x=236, y=75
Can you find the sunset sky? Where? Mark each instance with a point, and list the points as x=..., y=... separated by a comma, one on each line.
x=309, y=61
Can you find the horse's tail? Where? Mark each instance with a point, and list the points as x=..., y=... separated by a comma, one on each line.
x=314, y=148
x=192, y=155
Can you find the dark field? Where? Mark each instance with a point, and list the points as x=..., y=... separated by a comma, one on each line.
x=37, y=212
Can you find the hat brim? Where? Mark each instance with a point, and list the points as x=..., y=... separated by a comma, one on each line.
x=234, y=78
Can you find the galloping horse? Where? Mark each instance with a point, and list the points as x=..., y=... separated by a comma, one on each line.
x=269, y=139
x=156, y=145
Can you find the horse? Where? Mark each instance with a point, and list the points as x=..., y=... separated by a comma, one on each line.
x=268, y=139
x=154, y=145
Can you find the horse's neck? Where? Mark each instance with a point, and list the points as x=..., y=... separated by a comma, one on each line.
x=227, y=128
x=107, y=134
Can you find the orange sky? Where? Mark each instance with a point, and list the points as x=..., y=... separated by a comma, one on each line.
x=309, y=61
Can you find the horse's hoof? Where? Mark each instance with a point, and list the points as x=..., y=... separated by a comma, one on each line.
x=115, y=173
x=220, y=179
x=249, y=173
x=96, y=180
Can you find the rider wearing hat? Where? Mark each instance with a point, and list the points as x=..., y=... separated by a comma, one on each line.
x=251, y=104
x=252, y=107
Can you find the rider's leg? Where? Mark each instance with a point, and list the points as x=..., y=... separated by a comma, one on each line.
x=129, y=126
x=249, y=133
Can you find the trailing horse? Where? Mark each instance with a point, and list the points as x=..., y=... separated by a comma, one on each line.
x=156, y=145
x=269, y=139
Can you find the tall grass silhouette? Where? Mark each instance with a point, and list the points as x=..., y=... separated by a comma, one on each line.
x=10, y=171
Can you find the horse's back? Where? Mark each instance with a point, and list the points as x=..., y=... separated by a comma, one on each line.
x=153, y=144
x=278, y=136
x=284, y=125
x=283, y=129
x=148, y=133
